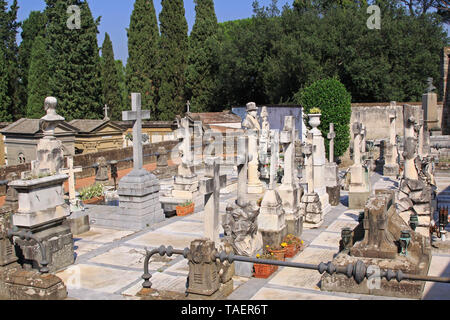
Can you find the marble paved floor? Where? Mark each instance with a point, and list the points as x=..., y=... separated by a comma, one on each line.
x=109, y=263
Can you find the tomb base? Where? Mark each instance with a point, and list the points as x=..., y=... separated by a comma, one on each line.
x=138, y=203
x=58, y=241
x=294, y=225
x=31, y=285
x=79, y=223
x=404, y=289
x=334, y=195
x=243, y=269
x=391, y=170
x=357, y=200
x=274, y=238
x=255, y=189
x=224, y=291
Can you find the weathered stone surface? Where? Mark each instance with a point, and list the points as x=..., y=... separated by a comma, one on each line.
x=58, y=241
x=31, y=285
x=357, y=200
x=334, y=195
x=376, y=244
x=405, y=204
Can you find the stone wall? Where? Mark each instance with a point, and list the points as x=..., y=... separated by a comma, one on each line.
x=87, y=161
x=376, y=118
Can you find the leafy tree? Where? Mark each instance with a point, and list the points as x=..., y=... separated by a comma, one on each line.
x=174, y=50
x=202, y=60
x=37, y=79
x=74, y=62
x=111, y=91
x=144, y=57
x=334, y=101
x=33, y=26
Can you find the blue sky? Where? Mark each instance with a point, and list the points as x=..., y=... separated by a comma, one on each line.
x=116, y=16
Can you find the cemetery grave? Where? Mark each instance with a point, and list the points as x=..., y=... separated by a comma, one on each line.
x=134, y=251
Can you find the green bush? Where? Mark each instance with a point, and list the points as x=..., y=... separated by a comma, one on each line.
x=334, y=101
x=92, y=192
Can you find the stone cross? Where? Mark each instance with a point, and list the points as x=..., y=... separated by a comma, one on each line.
x=357, y=131
x=275, y=147
x=331, y=137
x=410, y=144
x=184, y=133
x=106, y=112
x=288, y=138
x=212, y=198
x=309, y=163
x=188, y=104
x=136, y=115
x=363, y=138
x=243, y=158
x=71, y=170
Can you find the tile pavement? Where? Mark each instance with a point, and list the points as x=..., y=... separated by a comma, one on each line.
x=109, y=263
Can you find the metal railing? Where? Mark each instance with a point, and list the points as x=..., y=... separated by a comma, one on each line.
x=359, y=271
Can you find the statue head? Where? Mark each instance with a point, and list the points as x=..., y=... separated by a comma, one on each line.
x=252, y=109
x=50, y=104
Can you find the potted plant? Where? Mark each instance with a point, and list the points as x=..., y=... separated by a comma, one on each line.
x=93, y=194
x=185, y=209
x=263, y=271
x=294, y=245
x=314, y=117
x=279, y=252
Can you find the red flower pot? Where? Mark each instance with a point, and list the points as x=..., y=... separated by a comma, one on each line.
x=94, y=200
x=279, y=254
x=184, y=211
x=263, y=271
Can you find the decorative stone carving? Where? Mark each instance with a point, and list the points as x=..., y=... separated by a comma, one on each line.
x=377, y=244
x=360, y=188
x=101, y=174
x=253, y=129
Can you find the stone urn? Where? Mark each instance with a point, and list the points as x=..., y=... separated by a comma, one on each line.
x=314, y=120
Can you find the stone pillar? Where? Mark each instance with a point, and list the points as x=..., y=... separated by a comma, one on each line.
x=208, y=279
x=264, y=143
x=391, y=167
x=271, y=219
x=186, y=186
x=255, y=185
x=410, y=146
x=360, y=188
x=414, y=196
x=319, y=162
x=240, y=222
x=332, y=173
x=139, y=190
x=211, y=189
x=101, y=174
x=289, y=191
x=429, y=102
x=41, y=207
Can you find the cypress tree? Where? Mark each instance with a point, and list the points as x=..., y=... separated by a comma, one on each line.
x=74, y=62
x=111, y=90
x=37, y=79
x=4, y=97
x=8, y=33
x=174, y=47
x=122, y=85
x=202, y=59
x=33, y=26
x=143, y=56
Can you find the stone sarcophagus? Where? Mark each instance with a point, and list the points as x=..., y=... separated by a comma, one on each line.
x=383, y=241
